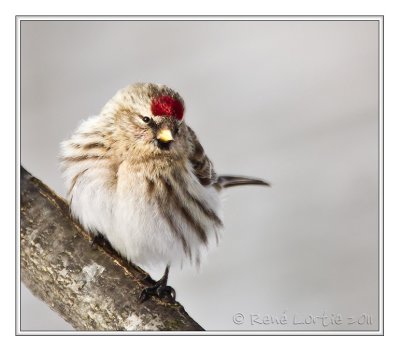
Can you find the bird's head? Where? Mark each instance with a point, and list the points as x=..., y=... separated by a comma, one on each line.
x=148, y=117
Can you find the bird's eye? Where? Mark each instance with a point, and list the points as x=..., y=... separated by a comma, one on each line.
x=146, y=119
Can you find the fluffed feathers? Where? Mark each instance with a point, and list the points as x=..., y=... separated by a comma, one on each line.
x=156, y=200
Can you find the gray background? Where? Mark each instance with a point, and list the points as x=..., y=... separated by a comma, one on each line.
x=294, y=102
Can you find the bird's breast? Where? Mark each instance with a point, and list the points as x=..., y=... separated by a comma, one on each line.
x=169, y=205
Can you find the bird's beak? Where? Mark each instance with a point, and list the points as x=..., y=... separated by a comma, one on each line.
x=164, y=135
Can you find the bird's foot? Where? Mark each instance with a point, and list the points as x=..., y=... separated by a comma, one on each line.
x=95, y=241
x=160, y=289
x=99, y=240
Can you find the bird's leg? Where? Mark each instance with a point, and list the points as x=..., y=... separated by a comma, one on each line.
x=160, y=288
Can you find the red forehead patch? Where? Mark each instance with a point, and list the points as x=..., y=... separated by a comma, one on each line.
x=167, y=106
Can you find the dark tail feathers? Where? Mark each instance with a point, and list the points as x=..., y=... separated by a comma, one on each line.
x=226, y=181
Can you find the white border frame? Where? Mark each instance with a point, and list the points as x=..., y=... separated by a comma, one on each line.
x=19, y=18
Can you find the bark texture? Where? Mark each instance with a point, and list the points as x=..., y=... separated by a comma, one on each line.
x=91, y=287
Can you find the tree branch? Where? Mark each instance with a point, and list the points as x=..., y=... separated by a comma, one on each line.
x=92, y=288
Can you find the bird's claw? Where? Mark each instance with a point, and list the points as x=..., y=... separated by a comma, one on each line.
x=94, y=241
x=163, y=291
x=159, y=290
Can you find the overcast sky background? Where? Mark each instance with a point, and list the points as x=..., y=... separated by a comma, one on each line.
x=294, y=102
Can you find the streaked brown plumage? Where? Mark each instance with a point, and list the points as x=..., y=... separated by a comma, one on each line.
x=138, y=175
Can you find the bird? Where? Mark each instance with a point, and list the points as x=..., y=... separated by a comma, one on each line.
x=137, y=175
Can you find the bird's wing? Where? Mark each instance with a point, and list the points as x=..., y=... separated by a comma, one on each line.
x=202, y=165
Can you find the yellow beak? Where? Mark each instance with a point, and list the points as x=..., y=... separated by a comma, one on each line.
x=165, y=135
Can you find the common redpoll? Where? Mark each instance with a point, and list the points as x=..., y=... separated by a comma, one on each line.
x=137, y=175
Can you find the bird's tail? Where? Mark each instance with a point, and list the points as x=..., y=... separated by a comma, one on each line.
x=226, y=181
